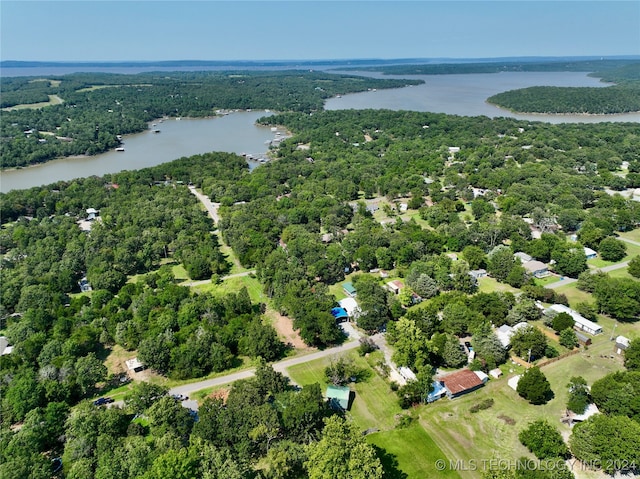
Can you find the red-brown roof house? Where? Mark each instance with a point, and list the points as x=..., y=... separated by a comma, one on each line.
x=461, y=382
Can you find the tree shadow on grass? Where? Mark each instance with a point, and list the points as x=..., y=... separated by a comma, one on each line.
x=389, y=464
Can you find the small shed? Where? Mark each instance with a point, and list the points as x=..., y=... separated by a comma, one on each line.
x=621, y=345
x=395, y=286
x=495, y=373
x=513, y=382
x=407, y=373
x=482, y=376
x=589, y=253
x=438, y=391
x=4, y=346
x=338, y=397
x=524, y=257
x=583, y=339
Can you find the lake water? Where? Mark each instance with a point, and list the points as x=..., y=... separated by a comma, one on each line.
x=238, y=133
x=234, y=133
x=466, y=95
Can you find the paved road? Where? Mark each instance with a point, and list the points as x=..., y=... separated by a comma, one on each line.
x=628, y=240
x=206, y=281
x=605, y=269
x=280, y=366
x=212, y=208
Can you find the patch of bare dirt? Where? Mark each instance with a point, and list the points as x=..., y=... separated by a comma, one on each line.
x=284, y=326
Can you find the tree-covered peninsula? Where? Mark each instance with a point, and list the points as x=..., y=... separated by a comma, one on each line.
x=86, y=113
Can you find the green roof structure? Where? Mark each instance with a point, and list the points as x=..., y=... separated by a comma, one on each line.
x=349, y=289
x=338, y=396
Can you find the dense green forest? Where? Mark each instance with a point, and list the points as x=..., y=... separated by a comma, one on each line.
x=98, y=107
x=548, y=99
x=475, y=186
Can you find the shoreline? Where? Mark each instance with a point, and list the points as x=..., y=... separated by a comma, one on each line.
x=586, y=115
x=223, y=113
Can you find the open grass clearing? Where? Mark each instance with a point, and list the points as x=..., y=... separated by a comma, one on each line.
x=548, y=280
x=574, y=295
x=53, y=100
x=621, y=273
x=233, y=285
x=490, y=285
x=633, y=235
x=411, y=451
x=632, y=251
x=493, y=433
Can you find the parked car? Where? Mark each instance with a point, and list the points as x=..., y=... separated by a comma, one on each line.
x=468, y=345
x=102, y=401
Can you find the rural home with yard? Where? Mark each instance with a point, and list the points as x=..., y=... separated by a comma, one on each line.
x=463, y=382
x=537, y=269
x=348, y=289
x=580, y=322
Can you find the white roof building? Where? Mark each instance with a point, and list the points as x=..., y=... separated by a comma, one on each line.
x=350, y=305
x=513, y=382
x=580, y=322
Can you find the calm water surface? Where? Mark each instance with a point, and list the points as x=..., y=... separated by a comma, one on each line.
x=238, y=133
x=466, y=95
x=234, y=133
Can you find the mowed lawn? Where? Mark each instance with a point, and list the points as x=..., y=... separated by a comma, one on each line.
x=411, y=451
x=493, y=433
x=376, y=407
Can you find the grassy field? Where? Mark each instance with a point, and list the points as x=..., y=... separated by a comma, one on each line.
x=633, y=235
x=53, y=100
x=632, y=251
x=404, y=446
x=492, y=433
x=489, y=285
x=411, y=453
x=233, y=285
x=548, y=280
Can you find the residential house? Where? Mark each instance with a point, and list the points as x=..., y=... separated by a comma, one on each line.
x=589, y=253
x=536, y=268
x=462, y=382
x=349, y=289
x=395, y=286
x=580, y=322
x=478, y=273
x=350, y=305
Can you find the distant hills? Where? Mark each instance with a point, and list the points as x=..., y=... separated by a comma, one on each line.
x=296, y=63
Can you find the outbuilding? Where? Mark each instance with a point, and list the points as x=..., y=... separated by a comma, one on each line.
x=338, y=397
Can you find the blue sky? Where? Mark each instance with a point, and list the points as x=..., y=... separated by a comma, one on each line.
x=305, y=29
